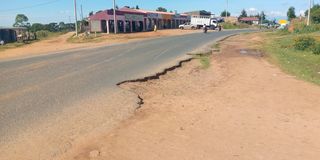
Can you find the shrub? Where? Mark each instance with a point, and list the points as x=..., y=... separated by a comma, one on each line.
x=316, y=49
x=307, y=29
x=42, y=34
x=303, y=43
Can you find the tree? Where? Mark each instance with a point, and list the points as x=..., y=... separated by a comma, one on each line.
x=315, y=14
x=21, y=21
x=137, y=7
x=161, y=9
x=117, y=7
x=62, y=26
x=52, y=27
x=91, y=13
x=36, y=27
x=243, y=13
x=291, y=13
x=263, y=16
x=224, y=13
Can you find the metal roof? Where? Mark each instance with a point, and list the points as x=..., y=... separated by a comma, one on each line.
x=249, y=19
x=13, y=27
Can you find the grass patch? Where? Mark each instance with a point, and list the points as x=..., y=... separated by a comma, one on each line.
x=303, y=64
x=227, y=25
x=11, y=45
x=94, y=38
x=216, y=46
x=204, y=60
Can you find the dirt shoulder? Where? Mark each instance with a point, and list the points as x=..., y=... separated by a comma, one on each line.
x=241, y=108
x=62, y=43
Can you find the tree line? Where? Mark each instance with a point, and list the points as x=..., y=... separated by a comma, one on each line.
x=22, y=20
x=314, y=16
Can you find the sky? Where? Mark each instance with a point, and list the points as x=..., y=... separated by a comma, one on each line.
x=46, y=11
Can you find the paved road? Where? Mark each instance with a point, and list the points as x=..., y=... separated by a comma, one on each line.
x=32, y=88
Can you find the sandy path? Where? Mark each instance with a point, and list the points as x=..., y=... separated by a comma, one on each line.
x=58, y=44
x=241, y=108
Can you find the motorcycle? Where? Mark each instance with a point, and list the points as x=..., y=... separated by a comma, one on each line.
x=205, y=29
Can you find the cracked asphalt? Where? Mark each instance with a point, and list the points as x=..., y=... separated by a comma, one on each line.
x=33, y=88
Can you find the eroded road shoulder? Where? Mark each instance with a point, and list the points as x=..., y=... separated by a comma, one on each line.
x=241, y=107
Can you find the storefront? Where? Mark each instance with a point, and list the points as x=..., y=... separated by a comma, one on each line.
x=134, y=20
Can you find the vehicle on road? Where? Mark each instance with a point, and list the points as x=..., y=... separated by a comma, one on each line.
x=200, y=21
x=205, y=29
x=187, y=25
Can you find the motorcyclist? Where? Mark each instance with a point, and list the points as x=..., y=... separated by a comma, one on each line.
x=205, y=29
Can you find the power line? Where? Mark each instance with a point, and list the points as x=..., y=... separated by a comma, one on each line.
x=32, y=6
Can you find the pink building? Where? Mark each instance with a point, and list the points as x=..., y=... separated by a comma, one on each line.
x=134, y=20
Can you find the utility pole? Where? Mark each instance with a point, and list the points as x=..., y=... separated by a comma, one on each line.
x=75, y=15
x=309, y=12
x=261, y=19
x=81, y=13
x=114, y=17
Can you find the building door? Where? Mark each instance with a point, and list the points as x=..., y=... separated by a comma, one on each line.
x=120, y=26
x=103, y=26
x=111, y=26
x=128, y=26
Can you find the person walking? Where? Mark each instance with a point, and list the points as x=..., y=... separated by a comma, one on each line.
x=155, y=28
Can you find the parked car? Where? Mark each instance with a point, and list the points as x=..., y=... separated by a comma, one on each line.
x=187, y=26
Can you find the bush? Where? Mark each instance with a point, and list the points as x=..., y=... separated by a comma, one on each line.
x=303, y=43
x=316, y=49
x=42, y=34
x=227, y=25
x=307, y=29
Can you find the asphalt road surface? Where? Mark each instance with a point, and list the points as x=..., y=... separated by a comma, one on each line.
x=32, y=88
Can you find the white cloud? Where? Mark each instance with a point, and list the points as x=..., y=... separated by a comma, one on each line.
x=65, y=12
x=301, y=12
x=276, y=14
x=252, y=11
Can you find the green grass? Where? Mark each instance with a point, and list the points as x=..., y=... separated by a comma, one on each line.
x=215, y=46
x=302, y=64
x=227, y=25
x=204, y=60
x=11, y=45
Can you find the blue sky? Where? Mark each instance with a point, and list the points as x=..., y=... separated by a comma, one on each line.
x=62, y=10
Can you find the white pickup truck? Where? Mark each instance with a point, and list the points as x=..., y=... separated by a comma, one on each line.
x=187, y=25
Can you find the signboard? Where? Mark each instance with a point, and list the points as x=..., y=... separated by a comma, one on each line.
x=133, y=17
x=153, y=15
x=177, y=16
x=282, y=22
x=166, y=16
x=96, y=26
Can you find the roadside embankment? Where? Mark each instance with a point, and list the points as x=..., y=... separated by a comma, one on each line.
x=295, y=53
x=239, y=107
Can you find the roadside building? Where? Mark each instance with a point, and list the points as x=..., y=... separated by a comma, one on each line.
x=250, y=20
x=135, y=20
x=231, y=19
x=11, y=34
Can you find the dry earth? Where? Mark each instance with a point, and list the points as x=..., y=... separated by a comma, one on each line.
x=241, y=108
x=60, y=43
